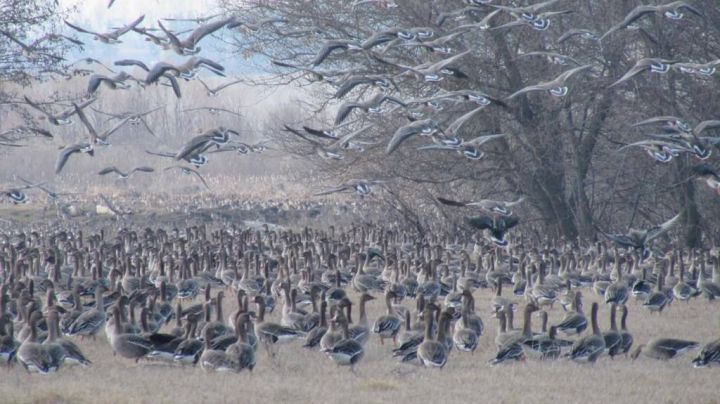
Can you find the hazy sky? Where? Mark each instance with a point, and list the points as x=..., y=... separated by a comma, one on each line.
x=95, y=16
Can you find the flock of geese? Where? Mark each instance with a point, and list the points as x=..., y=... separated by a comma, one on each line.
x=158, y=296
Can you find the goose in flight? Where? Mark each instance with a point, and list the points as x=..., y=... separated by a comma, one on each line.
x=639, y=239
x=214, y=92
x=63, y=118
x=425, y=127
x=68, y=151
x=125, y=175
x=497, y=226
x=672, y=11
x=361, y=187
x=189, y=171
x=373, y=105
x=700, y=69
x=489, y=206
x=95, y=137
x=188, y=46
x=33, y=51
x=653, y=65
x=556, y=87
x=554, y=57
x=336, y=149
x=198, y=144
x=469, y=149
x=431, y=71
x=110, y=37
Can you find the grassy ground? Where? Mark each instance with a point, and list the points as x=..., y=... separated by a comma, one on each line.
x=302, y=376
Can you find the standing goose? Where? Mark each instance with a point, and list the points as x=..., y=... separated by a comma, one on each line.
x=464, y=337
x=130, y=346
x=627, y=338
x=613, y=338
x=575, y=321
x=657, y=300
x=360, y=331
x=313, y=338
x=72, y=353
x=32, y=355
x=270, y=333
x=90, y=322
x=589, y=348
x=241, y=352
x=432, y=353
x=664, y=348
x=213, y=359
x=511, y=347
x=347, y=351
x=388, y=326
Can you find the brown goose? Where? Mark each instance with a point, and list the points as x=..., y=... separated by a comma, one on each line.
x=32, y=355
x=590, y=347
x=90, y=322
x=269, y=333
x=347, y=351
x=388, y=326
x=432, y=353
x=664, y=348
x=130, y=346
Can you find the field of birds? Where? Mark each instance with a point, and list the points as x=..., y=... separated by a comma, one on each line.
x=359, y=201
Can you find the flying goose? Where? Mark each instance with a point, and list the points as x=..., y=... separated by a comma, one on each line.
x=331, y=46
x=189, y=171
x=188, y=46
x=353, y=81
x=489, y=206
x=676, y=124
x=660, y=150
x=469, y=149
x=555, y=87
x=653, y=65
x=664, y=348
x=709, y=354
x=110, y=37
x=373, y=105
x=638, y=239
x=582, y=33
x=214, y=92
x=361, y=187
x=672, y=11
x=199, y=144
x=431, y=72
x=497, y=226
x=116, y=82
x=553, y=57
x=68, y=151
x=708, y=173
x=701, y=69
x=63, y=117
x=460, y=13
x=186, y=70
x=426, y=127
x=125, y=175
x=95, y=137
x=526, y=12
x=539, y=21
x=32, y=50
x=334, y=150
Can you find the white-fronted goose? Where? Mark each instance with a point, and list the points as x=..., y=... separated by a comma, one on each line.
x=347, y=351
x=130, y=346
x=708, y=355
x=269, y=333
x=213, y=359
x=664, y=348
x=432, y=353
x=627, y=338
x=613, y=338
x=32, y=355
x=90, y=322
x=590, y=347
x=575, y=321
x=388, y=326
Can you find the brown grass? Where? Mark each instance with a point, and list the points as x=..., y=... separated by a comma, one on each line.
x=302, y=376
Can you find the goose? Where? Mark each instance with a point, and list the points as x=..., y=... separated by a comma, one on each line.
x=708, y=355
x=388, y=326
x=675, y=124
x=215, y=91
x=189, y=350
x=217, y=328
x=497, y=226
x=627, y=338
x=500, y=303
x=430, y=71
x=618, y=291
x=188, y=46
x=613, y=338
x=189, y=171
x=110, y=37
x=553, y=57
x=33, y=51
x=313, y=338
x=125, y=175
x=539, y=21
x=360, y=331
x=347, y=351
x=469, y=149
x=198, y=144
x=547, y=347
x=353, y=81
x=361, y=187
x=638, y=239
x=72, y=355
x=8, y=344
x=332, y=45
x=426, y=127
x=701, y=69
x=63, y=118
x=90, y=322
x=373, y=105
x=709, y=174
x=465, y=338
x=578, y=32
x=186, y=70
x=32, y=355
x=673, y=11
x=242, y=352
x=589, y=348
x=555, y=87
x=270, y=333
x=575, y=321
x=54, y=351
x=656, y=301
x=433, y=353
x=215, y=360
x=664, y=348
x=653, y=65
x=95, y=137
x=526, y=12
x=68, y=151
x=117, y=82
x=660, y=150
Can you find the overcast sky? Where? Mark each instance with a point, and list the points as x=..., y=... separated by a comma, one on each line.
x=95, y=16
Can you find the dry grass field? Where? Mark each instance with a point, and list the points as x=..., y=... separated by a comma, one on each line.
x=302, y=376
